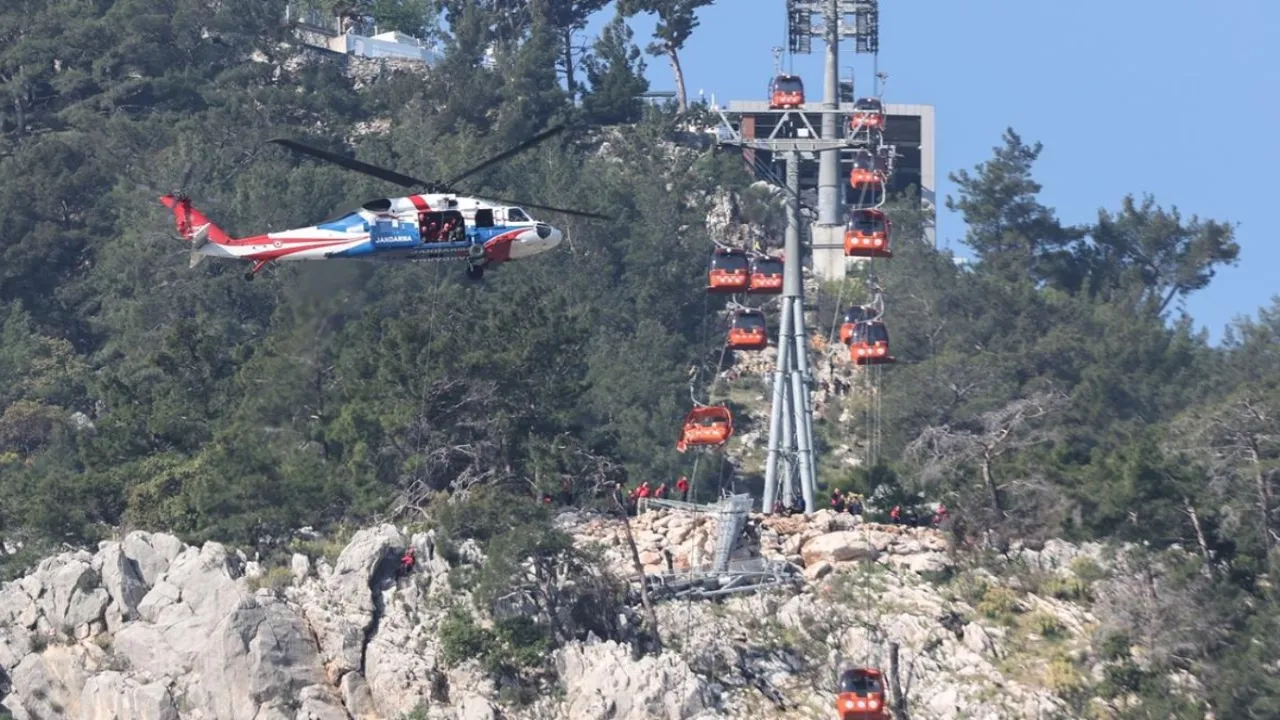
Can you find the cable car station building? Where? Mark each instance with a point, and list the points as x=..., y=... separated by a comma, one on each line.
x=909, y=129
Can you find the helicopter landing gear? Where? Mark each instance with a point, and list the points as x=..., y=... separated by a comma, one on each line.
x=253, y=271
x=475, y=273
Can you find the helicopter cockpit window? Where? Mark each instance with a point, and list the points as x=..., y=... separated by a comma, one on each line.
x=517, y=215
x=859, y=684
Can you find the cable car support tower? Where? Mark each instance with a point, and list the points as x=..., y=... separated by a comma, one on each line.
x=791, y=445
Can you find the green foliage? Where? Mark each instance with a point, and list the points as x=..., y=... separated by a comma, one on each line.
x=512, y=648
x=136, y=392
x=615, y=71
x=462, y=640
x=1001, y=604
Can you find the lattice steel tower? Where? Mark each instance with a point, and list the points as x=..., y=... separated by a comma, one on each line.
x=791, y=446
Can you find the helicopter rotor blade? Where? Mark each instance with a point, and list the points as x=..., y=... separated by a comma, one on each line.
x=535, y=140
x=352, y=164
x=549, y=208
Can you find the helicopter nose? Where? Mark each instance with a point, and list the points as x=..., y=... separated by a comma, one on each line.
x=551, y=237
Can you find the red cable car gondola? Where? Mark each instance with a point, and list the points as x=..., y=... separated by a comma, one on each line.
x=868, y=114
x=861, y=695
x=852, y=317
x=786, y=92
x=867, y=169
x=729, y=271
x=868, y=234
x=869, y=344
x=766, y=275
x=748, y=331
x=706, y=426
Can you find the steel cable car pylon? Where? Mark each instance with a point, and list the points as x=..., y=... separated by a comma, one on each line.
x=791, y=415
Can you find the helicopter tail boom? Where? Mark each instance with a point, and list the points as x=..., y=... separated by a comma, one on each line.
x=192, y=225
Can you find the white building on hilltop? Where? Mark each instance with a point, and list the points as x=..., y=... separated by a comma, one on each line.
x=348, y=37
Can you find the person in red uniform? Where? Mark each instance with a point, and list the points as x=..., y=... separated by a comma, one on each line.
x=837, y=500
x=642, y=496
x=661, y=492
x=406, y=562
x=896, y=514
x=682, y=485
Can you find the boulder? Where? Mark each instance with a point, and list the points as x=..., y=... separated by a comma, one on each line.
x=344, y=612
x=259, y=653
x=840, y=546
x=604, y=683
x=113, y=696
x=122, y=577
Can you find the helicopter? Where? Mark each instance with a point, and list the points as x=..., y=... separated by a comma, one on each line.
x=433, y=224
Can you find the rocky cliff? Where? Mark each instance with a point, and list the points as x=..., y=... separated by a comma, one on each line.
x=148, y=627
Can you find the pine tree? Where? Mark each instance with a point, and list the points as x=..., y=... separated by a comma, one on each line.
x=616, y=73
x=677, y=20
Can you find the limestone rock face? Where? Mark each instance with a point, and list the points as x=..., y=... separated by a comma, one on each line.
x=150, y=628
x=606, y=684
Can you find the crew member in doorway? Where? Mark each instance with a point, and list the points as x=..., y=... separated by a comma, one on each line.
x=682, y=485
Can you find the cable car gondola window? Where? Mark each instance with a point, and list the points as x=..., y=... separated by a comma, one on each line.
x=769, y=266
x=788, y=84
x=870, y=333
x=871, y=105
x=729, y=262
x=859, y=684
x=868, y=221
x=749, y=321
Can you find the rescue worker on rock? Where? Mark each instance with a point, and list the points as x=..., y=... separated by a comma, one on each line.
x=895, y=515
x=682, y=485
x=661, y=492
x=642, y=496
x=940, y=516
x=566, y=492
x=406, y=561
x=837, y=500
x=855, y=505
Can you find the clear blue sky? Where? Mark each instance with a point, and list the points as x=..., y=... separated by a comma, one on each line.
x=1176, y=98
